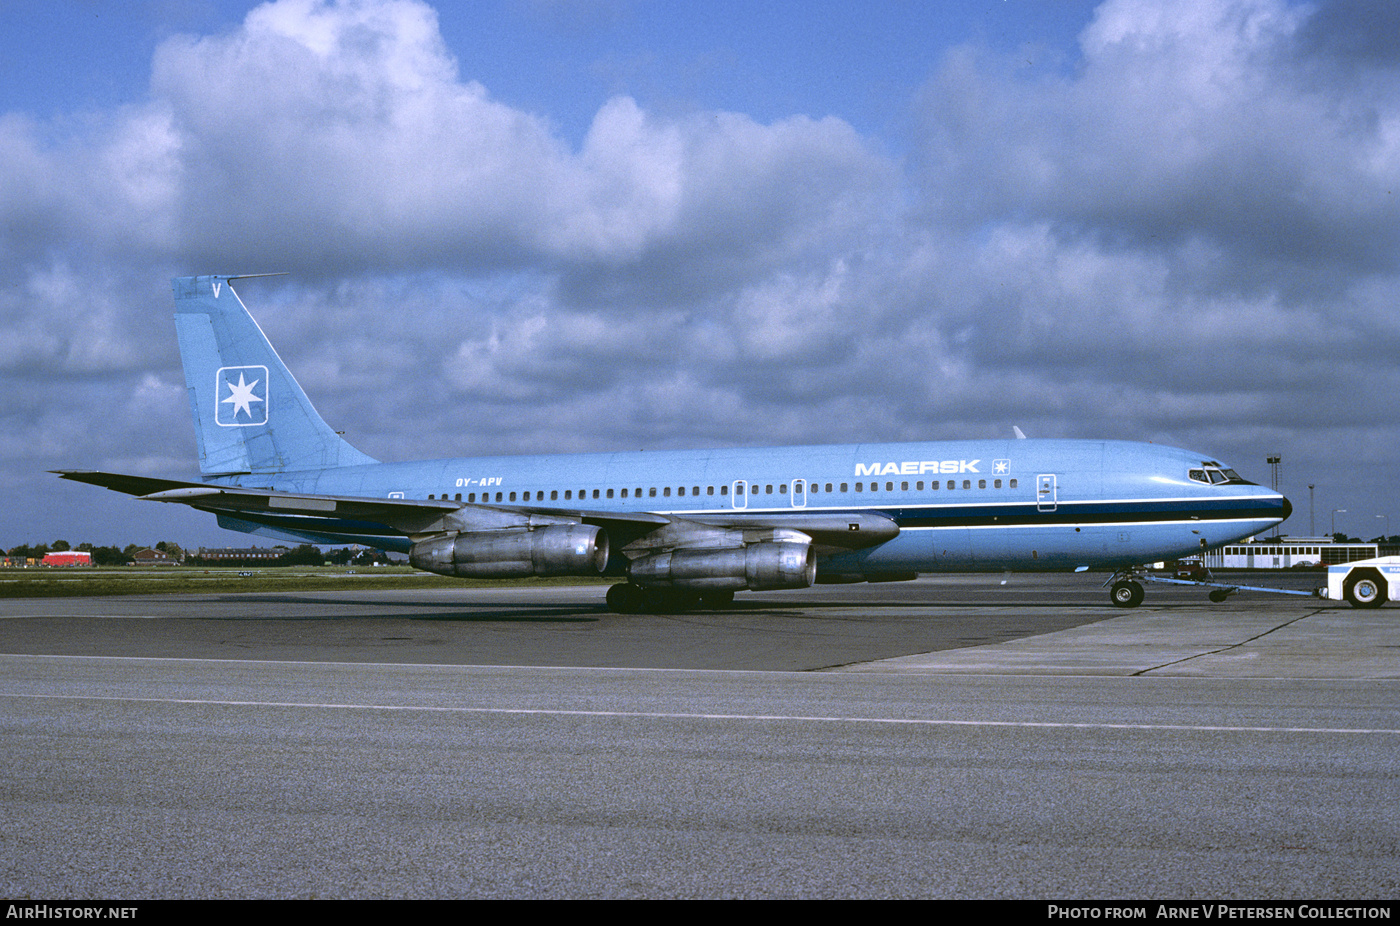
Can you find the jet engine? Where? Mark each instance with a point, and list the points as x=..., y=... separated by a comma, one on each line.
x=757, y=566
x=553, y=550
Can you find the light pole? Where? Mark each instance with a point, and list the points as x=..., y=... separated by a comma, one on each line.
x=1275, y=462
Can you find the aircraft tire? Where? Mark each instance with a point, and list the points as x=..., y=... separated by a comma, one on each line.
x=1365, y=589
x=1126, y=594
x=626, y=598
x=669, y=600
x=716, y=601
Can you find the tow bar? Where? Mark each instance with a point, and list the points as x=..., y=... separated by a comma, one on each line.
x=1219, y=590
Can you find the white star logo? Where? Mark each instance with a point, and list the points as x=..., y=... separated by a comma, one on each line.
x=242, y=396
x=1001, y=466
x=242, y=406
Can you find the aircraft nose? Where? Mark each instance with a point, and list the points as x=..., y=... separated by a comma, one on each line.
x=1287, y=508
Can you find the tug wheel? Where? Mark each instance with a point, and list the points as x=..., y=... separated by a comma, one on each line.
x=1365, y=589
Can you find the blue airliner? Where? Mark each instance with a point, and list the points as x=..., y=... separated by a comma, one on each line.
x=684, y=529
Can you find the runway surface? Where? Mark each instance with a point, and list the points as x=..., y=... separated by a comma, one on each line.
x=944, y=738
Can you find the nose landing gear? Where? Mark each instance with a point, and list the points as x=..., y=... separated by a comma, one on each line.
x=1126, y=592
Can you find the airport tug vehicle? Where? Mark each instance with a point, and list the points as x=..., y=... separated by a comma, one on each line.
x=1365, y=583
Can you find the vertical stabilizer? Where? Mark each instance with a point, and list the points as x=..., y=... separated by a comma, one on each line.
x=250, y=416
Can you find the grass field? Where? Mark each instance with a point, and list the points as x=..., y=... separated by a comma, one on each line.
x=78, y=582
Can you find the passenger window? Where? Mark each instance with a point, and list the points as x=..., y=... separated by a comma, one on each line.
x=1013, y=483
x=981, y=483
x=967, y=483
x=666, y=491
x=610, y=493
x=996, y=483
x=951, y=484
x=843, y=486
x=652, y=492
x=904, y=487
x=858, y=487
x=512, y=496
x=554, y=495
x=471, y=496
x=595, y=493
x=681, y=491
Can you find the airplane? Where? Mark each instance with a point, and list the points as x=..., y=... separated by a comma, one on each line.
x=684, y=529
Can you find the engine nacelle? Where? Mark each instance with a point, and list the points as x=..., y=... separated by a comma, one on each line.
x=754, y=566
x=553, y=550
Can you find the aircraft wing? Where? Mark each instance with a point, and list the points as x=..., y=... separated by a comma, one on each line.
x=418, y=518
x=353, y=514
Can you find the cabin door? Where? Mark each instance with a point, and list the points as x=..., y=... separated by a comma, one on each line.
x=1045, y=492
x=799, y=493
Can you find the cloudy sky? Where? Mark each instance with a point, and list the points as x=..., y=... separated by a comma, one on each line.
x=535, y=225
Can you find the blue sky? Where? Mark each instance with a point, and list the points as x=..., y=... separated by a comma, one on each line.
x=525, y=226
x=564, y=58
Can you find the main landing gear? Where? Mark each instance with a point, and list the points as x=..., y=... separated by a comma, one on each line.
x=626, y=598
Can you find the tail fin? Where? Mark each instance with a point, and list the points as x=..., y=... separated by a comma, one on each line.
x=250, y=416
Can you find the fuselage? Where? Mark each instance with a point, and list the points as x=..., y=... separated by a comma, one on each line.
x=959, y=505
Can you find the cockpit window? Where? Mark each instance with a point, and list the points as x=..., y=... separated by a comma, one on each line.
x=1213, y=473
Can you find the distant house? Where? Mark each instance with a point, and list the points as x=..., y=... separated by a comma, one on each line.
x=152, y=558
x=67, y=558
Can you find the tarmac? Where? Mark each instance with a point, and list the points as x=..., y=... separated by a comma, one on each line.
x=1326, y=641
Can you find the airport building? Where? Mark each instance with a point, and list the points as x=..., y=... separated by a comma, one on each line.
x=1293, y=552
x=67, y=558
